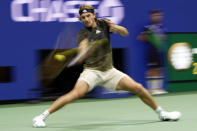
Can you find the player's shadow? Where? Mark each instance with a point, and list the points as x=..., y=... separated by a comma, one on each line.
x=99, y=124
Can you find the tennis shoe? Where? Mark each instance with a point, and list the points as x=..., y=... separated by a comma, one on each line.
x=38, y=122
x=169, y=116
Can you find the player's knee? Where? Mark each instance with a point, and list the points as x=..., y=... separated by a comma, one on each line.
x=139, y=89
x=77, y=94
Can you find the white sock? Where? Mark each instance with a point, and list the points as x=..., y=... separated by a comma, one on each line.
x=45, y=114
x=158, y=110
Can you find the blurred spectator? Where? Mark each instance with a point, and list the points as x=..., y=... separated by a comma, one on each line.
x=154, y=35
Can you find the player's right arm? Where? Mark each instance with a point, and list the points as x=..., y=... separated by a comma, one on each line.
x=82, y=40
x=63, y=55
x=83, y=45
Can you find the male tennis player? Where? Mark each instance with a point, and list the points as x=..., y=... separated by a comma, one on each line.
x=155, y=37
x=99, y=70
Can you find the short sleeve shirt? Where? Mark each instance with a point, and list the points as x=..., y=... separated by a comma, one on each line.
x=101, y=58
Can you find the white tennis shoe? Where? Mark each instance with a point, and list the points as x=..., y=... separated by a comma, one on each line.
x=38, y=122
x=169, y=116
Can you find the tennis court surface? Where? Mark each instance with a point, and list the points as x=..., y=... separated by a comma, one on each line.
x=122, y=114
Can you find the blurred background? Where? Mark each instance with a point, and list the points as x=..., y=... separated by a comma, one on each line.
x=32, y=29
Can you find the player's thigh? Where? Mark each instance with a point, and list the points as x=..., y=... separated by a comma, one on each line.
x=90, y=77
x=81, y=88
x=128, y=84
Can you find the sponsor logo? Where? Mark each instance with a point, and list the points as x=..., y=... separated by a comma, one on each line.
x=98, y=31
x=63, y=11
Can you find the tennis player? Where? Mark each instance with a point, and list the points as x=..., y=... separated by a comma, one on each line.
x=99, y=70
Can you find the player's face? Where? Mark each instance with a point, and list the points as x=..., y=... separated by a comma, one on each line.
x=156, y=17
x=88, y=19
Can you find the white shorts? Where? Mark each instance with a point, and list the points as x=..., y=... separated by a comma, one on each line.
x=108, y=79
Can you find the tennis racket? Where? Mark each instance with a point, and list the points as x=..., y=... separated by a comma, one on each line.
x=50, y=68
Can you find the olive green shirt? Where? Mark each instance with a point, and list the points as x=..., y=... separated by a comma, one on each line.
x=101, y=57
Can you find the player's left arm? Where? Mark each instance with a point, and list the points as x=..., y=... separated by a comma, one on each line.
x=114, y=28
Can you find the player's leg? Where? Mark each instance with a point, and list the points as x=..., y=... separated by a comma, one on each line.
x=128, y=84
x=80, y=89
x=117, y=80
x=86, y=82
